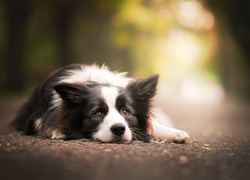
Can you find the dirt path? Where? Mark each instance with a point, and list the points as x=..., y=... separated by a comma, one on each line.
x=219, y=149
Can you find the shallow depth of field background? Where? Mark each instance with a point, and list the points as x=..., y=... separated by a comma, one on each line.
x=200, y=48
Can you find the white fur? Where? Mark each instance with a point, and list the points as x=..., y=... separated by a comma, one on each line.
x=57, y=135
x=56, y=100
x=94, y=73
x=161, y=117
x=38, y=125
x=113, y=117
x=161, y=132
x=49, y=132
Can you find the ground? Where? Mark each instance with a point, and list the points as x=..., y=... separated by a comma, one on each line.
x=219, y=148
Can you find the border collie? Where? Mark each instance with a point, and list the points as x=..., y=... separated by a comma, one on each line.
x=81, y=101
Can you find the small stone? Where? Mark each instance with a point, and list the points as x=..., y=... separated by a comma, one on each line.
x=183, y=159
x=108, y=150
x=166, y=151
x=207, y=148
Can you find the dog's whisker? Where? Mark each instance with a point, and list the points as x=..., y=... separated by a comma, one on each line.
x=137, y=134
x=134, y=136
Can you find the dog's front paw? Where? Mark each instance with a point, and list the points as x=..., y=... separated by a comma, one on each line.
x=57, y=135
x=180, y=136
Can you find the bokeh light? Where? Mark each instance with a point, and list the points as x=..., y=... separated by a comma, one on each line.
x=174, y=38
x=182, y=56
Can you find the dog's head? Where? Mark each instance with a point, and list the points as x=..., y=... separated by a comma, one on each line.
x=104, y=112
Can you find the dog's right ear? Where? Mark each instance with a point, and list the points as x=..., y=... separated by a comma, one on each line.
x=74, y=93
x=144, y=89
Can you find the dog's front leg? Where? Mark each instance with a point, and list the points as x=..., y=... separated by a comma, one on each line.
x=161, y=132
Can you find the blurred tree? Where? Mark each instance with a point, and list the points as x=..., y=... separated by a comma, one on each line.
x=55, y=29
x=16, y=15
x=63, y=13
x=233, y=22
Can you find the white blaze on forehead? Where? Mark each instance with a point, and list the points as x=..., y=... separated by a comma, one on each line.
x=113, y=117
x=110, y=94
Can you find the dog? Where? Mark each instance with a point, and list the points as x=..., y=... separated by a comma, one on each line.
x=91, y=102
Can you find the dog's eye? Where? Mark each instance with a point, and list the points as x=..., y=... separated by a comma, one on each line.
x=99, y=114
x=125, y=112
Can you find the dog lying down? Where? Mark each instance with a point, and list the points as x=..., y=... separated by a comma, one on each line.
x=81, y=101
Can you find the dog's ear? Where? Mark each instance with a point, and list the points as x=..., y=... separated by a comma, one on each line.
x=145, y=89
x=74, y=93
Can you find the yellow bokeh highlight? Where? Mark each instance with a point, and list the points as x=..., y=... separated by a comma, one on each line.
x=175, y=39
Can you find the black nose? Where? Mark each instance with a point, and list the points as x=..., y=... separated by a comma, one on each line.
x=118, y=129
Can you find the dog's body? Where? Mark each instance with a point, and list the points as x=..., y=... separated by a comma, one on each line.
x=80, y=101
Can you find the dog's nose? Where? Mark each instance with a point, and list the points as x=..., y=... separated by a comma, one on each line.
x=118, y=129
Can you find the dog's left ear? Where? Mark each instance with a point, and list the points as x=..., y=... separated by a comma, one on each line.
x=74, y=93
x=145, y=89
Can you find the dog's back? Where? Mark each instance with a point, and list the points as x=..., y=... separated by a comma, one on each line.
x=38, y=102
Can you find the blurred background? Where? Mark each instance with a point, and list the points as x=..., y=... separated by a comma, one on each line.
x=200, y=48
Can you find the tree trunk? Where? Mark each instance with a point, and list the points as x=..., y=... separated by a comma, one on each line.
x=16, y=16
